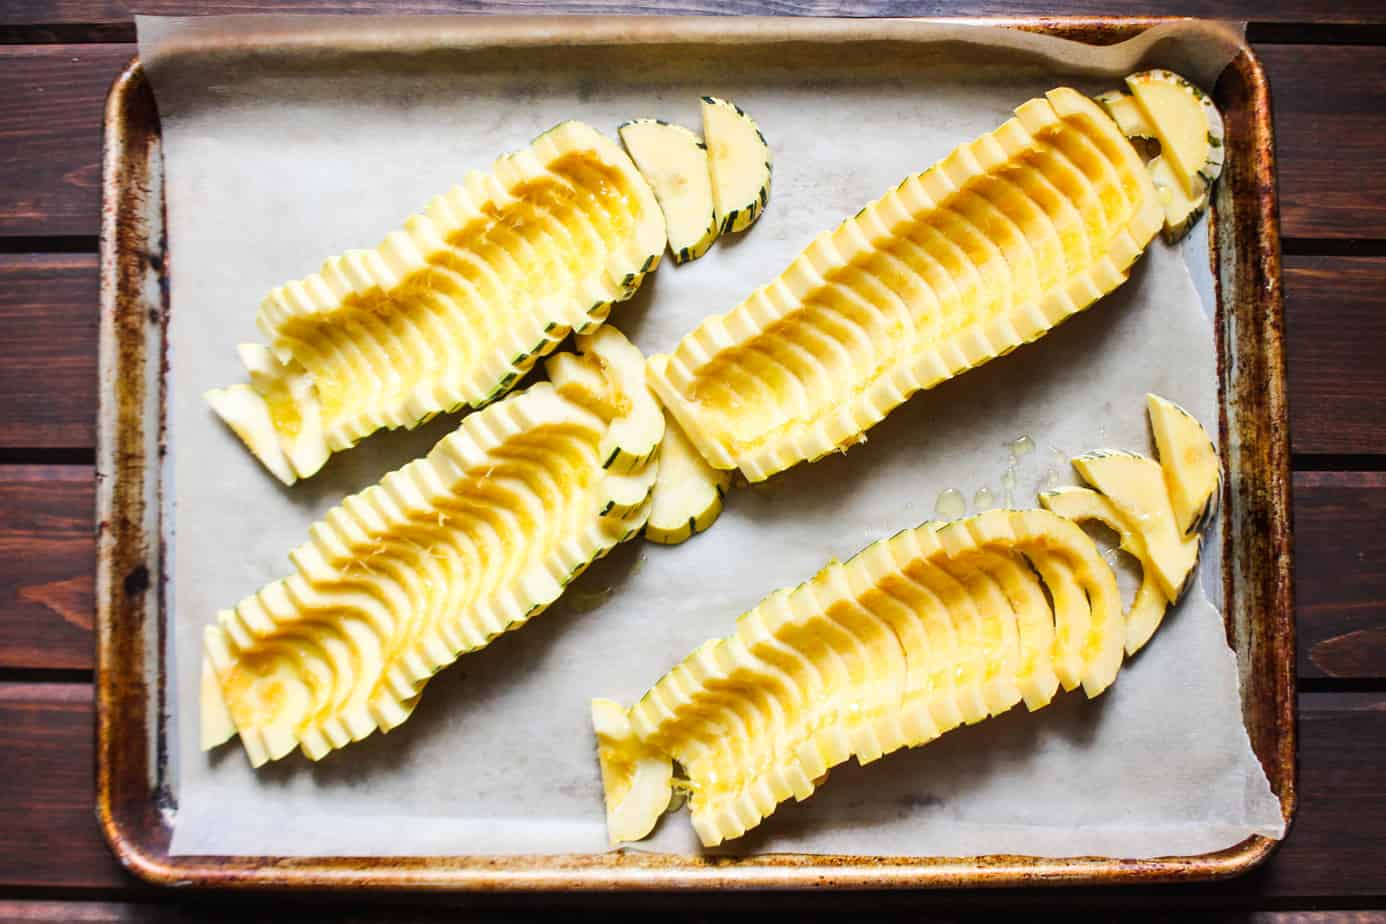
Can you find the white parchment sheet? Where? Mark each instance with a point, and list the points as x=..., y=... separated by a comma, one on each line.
x=278, y=158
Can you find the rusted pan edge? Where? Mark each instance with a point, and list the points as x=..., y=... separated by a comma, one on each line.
x=133, y=805
x=291, y=33
x=1258, y=572
x=130, y=442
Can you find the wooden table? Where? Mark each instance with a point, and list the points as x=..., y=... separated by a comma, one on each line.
x=1327, y=65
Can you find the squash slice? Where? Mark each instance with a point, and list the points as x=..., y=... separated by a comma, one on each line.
x=739, y=162
x=1193, y=475
x=914, y=635
x=1003, y=239
x=637, y=780
x=1148, y=607
x=436, y=560
x=1187, y=123
x=687, y=492
x=1165, y=107
x=675, y=162
x=1136, y=485
x=454, y=308
x=635, y=434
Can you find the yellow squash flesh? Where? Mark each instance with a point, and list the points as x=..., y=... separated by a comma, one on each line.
x=989, y=249
x=688, y=492
x=436, y=560
x=451, y=310
x=1158, y=510
x=1148, y=607
x=937, y=626
x=1193, y=473
x=637, y=780
x=1136, y=487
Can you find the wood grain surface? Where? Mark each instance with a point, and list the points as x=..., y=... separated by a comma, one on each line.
x=47, y=566
x=48, y=830
x=1327, y=103
x=50, y=120
x=1340, y=569
x=1336, y=347
x=48, y=314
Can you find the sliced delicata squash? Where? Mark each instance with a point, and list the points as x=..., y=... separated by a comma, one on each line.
x=989, y=249
x=739, y=164
x=687, y=492
x=635, y=434
x=637, y=780
x=1185, y=120
x=674, y=160
x=1127, y=114
x=1148, y=606
x=1166, y=107
x=934, y=627
x=434, y=561
x=1136, y=486
x=1193, y=474
x=1157, y=509
x=451, y=310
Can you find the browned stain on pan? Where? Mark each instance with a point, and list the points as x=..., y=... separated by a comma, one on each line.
x=132, y=802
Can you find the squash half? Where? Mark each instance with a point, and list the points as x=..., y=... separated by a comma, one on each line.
x=451, y=310
x=932, y=628
x=992, y=247
x=436, y=560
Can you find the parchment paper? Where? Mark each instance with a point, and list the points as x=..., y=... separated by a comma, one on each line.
x=277, y=158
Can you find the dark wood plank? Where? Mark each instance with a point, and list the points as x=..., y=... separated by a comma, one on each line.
x=1327, y=100
x=48, y=311
x=1340, y=573
x=50, y=129
x=1339, y=837
x=49, y=837
x=1335, y=346
x=48, y=830
x=1327, y=103
x=47, y=566
x=105, y=12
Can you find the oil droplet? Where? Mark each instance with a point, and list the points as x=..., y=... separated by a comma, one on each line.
x=1008, y=486
x=983, y=500
x=1051, y=479
x=1020, y=447
x=951, y=504
x=637, y=566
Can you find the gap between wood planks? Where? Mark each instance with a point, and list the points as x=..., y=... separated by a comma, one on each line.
x=1332, y=247
x=39, y=245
